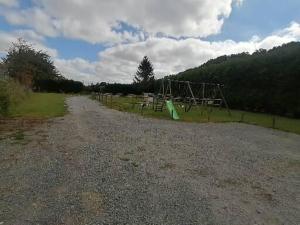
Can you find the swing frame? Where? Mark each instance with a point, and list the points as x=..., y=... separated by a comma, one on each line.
x=193, y=93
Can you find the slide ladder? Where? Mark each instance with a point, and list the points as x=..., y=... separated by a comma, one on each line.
x=172, y=110
x=159, y=105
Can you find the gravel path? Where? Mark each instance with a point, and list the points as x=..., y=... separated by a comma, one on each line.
x=100, y=166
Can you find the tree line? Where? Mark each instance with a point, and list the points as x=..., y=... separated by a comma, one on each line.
x=265, y=81
x=35, y=70
x=143, y=81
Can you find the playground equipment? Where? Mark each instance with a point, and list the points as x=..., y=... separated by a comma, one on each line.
x=189, y=94
x=172, y=110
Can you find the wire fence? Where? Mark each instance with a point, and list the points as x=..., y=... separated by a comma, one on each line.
x=138, y=104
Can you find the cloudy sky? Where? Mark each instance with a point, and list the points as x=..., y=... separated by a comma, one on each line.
x=104, y=40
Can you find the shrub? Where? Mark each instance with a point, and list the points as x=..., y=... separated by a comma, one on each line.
x=4, y=98
x=11, y=93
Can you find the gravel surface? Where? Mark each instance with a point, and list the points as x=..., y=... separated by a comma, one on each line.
x=101, y=166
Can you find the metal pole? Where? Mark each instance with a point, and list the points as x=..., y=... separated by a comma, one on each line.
x=225, y=102
x=188, y=83
x=170, y=85
x=163, y=87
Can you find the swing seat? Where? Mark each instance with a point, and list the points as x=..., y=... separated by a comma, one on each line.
x=177, y=99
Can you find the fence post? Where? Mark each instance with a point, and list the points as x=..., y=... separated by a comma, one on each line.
x=242, y=117
x=111, y=100
x=273, y=122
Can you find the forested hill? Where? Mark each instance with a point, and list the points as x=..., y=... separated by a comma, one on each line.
x=266, y=81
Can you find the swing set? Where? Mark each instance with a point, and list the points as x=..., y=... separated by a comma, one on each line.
x=190, y=94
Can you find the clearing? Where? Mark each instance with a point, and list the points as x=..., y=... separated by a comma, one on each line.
x=101, y=166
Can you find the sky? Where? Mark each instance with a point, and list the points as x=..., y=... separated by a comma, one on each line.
x=99, y=40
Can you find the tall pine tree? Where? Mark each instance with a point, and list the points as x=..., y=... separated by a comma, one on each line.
x=144, y=75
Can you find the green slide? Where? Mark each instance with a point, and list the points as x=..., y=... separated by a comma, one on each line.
x=172, y=110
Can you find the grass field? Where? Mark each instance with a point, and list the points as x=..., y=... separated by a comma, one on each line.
x=40, y=105
x=211, y=114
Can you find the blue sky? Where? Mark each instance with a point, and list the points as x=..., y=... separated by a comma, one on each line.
x=96, y=41
x=259, y=17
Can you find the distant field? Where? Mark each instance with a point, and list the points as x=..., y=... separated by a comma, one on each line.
x=40, y=105
x=202, y=114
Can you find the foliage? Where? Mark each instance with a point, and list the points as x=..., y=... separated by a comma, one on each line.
x=144, y=75
x=60, y=85
x=40, y=105
x=115, y=88
x=4, y=98
x=266, y=81
x=35, y=70
x=11, y=93
x=26, y=65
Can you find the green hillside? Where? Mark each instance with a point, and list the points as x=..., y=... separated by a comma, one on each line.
x=266, y=81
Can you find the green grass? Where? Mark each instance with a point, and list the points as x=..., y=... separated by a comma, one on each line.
x=19, y=135
x=202, y=114
x=40, y=105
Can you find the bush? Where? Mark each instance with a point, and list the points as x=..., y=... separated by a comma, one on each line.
x=4, y=98
x=59, y=86
x=11, y=93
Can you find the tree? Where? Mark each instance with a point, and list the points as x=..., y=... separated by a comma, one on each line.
x=265, y=81
x=26, y=65
x=144, y=74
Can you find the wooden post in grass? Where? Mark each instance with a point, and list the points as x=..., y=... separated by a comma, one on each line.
x=142, y=108
x=273, y=122
x=242, y=117
x=132, y=102
x=111, y=100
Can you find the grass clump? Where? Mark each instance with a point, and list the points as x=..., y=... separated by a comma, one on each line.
x=40, y=105
x=11, y=94
x=19, y=135
x=16, y=101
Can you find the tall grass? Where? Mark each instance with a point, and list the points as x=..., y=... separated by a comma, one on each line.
x=11, y=94
x=40, y=105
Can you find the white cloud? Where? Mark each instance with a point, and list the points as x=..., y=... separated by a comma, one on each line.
x=33, y=17
x=94, y=21
x=77, y=69
x=98, y=21
x=9, y=3
x=35, y=39
x=239, y=2
x=119, y=63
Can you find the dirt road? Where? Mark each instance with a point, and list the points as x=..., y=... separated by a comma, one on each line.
x=100, y=166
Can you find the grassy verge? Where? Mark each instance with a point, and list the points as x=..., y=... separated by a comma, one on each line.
x=40, y=105
x=202, y=114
